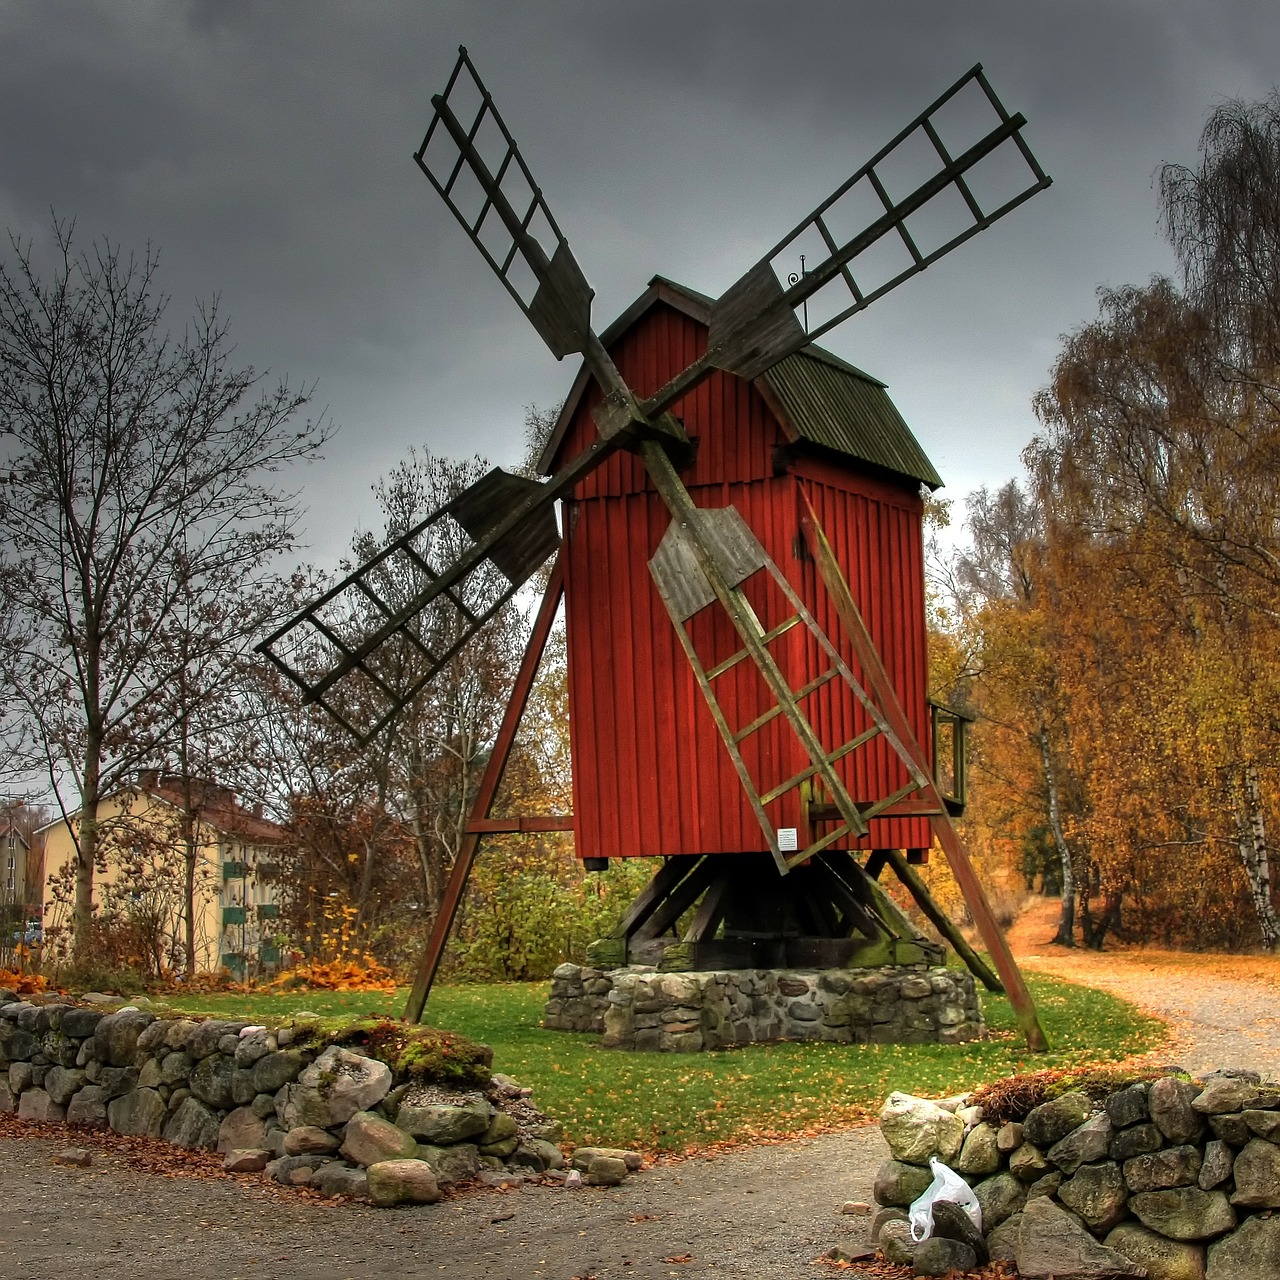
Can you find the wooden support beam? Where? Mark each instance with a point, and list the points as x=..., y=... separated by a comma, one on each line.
x=678, y=901
x=942, y=922
x=522, y=825
x=651, y=897
x=886, y=696
x=710, y=910
x=488, y=788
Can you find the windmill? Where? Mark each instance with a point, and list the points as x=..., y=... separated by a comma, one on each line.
x=363, y=652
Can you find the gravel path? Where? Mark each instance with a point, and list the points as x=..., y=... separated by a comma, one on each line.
x=1223, y=1011
x=762, y=1211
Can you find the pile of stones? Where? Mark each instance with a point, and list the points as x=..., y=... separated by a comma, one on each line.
x=332, y=1118
x=640, y=1008
x=1168, y=1179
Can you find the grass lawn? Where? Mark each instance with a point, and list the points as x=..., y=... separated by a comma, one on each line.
x=673, y=1102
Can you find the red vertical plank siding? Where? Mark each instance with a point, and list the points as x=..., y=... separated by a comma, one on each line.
x=651, y=775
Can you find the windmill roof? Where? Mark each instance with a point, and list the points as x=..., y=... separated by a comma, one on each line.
x=820, y=398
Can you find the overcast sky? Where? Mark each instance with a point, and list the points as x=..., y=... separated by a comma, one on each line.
x=266, y=148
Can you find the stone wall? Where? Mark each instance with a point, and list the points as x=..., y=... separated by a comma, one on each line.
x=1171, y=1179
x=309, y=1113
x=640, y=1008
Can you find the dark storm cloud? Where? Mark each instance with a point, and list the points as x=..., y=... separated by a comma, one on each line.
x=267, y=149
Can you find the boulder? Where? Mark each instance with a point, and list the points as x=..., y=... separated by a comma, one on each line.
x=250, y=1160
x=139, y=1113
x=1172, y=1167
x=1028, y=1163
x=1184, y=1213
x=1222, y=1094
x=1097, y=1193
x=583, y=1156
x=1085, y=1144
x=242, y=1130
x=540, y=1155
x=176, y=1067
x=916, y=1129
x=501, y=1128
x=115, y=1081
x=951, y=1222
x=938, y=1256
x=308, y=1140
x=606, y=1171
x=1170, y=1101
x=338, y=1085
x=1265, y=1124
x=193, y=1125
x=1002, y=1243
x=1052, y=1245
x=1231, y=1129
x=203, y=1038
x=115, y=1038
x=442, y=1124
x=370, y=1139
x=37, y=1107
x=1051, y=1121
x=453, y=1164
x=338, y=1179
x=1163, y=1259
x=1128, y=1106
x=1216, y=1167
x=392, y=1182
x=8, y=1099
x=980, y=1153
x=1000, y=1197
x=88, y=1108
x=211, y=1081
x=1009, y=1138
x=272, y=1073
x=1257, y=1174
x=896, y=1183
x=62, y=1084
x=1138, y=1140
x=1251, y=1252
x=896, y=1243
x=80, y=1024
x=21, y=1076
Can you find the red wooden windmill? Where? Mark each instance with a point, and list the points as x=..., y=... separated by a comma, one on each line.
x=730, y=708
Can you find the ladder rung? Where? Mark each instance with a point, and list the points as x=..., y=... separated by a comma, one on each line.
x=901, y=794
x=772, y=714
x=804, y=775
x=818, y=845
x=767, y=638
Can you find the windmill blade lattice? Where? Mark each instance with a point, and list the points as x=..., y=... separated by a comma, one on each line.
x=481, y=175
x=371, y=644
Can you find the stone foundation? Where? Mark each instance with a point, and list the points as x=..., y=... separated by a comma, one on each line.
x=640, y=1008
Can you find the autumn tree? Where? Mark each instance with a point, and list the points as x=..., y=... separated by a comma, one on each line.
x=143, y=471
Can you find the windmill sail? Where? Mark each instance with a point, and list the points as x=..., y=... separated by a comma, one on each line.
x=477, y=168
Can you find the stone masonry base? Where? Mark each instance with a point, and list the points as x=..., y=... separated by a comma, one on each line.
x=640, y=1008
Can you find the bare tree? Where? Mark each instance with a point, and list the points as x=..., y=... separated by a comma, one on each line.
x=143, y=467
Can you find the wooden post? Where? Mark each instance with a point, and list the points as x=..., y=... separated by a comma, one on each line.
x=886, y=696
x=924, y=900
x=485, y=793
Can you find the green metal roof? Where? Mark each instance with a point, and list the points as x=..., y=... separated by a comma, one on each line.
x=824, y=400
x=833, y=404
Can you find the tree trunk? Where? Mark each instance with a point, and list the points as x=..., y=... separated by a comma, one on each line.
x=189, y=854
x=1066, y=922
x=87, y=845
x=1251, y=841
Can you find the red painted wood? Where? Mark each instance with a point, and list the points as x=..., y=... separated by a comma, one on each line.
x=651, y=775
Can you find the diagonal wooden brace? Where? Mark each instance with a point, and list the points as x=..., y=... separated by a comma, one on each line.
x=443, y=924
x=879, y=684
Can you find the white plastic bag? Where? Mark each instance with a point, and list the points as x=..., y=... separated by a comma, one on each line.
x=946, y=1185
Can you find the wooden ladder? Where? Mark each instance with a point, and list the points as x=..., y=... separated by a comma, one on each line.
x=685, y=590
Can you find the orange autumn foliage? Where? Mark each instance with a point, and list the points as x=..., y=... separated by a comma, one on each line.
x=23, y=984
x=360, y=974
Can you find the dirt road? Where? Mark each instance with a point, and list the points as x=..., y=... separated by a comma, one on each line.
x=1223, y=1011
x=764, y=1211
